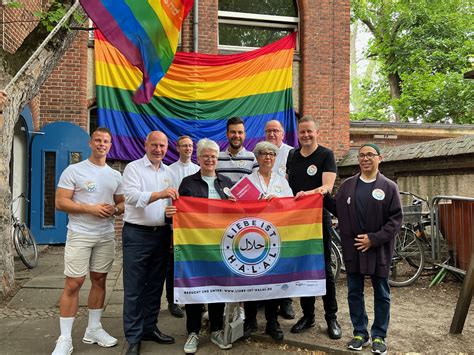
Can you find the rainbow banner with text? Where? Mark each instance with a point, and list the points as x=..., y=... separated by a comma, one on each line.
x=146, y=32
x=228, y=251
x=196, y=97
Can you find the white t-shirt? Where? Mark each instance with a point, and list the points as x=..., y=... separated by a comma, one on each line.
x=181, y=170
x=92, y=184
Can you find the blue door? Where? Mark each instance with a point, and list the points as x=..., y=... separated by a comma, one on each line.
x=58, y=145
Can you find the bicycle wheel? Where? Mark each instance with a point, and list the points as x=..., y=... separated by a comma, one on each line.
x=336, y=260
x=408, y=259
x=25, y=246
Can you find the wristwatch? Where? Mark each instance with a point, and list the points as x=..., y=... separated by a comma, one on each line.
x=116, y=210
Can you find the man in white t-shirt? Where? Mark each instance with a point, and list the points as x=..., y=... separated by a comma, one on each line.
x=181, y=168
x=90, y=192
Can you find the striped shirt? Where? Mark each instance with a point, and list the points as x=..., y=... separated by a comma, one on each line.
x=235, y=167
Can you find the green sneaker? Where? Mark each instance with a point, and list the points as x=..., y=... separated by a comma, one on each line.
x=358, y=342
x=191, y=345
x=378, y=346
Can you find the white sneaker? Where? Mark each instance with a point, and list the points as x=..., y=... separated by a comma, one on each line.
x=191, y=345
x=63, y=346
x=218, y=339
x=99, y=336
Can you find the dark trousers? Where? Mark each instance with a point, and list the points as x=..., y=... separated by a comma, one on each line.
x=145, y=255
x=355, y=298
x=194, y=315
x=170, y=279
x=271, y=310
x=329, y=300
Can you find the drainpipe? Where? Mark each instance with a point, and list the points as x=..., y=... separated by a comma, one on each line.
x=196, y=26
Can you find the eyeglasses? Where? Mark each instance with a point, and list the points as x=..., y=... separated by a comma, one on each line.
x=208, y=157
x=267, y=154
x=275, y=131
x=362, y=156
x=185, y=145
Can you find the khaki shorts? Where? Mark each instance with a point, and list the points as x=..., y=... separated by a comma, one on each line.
x=84, y=253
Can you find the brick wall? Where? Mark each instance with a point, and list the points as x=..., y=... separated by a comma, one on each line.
x=13, y=33
x=64, y=95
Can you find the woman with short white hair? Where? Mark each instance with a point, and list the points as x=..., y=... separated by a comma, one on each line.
x=205, y=183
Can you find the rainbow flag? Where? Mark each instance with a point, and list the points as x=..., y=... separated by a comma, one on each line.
x=196, y=97
x=242, y=251
x=145, y=32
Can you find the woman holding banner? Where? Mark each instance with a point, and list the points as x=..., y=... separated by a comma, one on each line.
x=205, y=183
x=270, y=186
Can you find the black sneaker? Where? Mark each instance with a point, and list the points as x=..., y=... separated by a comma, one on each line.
x=250, y=326
x=378, y=346
x=358, y=342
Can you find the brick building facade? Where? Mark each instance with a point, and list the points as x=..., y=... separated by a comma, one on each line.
x=320, y=82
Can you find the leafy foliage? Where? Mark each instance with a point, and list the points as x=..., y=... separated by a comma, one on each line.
x=426, y=44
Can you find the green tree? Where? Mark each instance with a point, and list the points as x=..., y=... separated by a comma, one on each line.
x=422, y=49
x=26, y=87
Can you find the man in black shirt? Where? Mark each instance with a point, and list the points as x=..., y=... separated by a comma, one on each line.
x=312, y=169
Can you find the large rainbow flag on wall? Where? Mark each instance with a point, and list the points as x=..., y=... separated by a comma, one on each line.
x=196, y=97
x=146, y=32
x=241, y=251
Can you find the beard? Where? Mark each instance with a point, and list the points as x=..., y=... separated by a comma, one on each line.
x=235, y=145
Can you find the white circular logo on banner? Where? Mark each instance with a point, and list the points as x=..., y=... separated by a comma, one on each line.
x=250, y=246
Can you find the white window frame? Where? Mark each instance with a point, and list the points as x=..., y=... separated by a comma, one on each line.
x=255, y=20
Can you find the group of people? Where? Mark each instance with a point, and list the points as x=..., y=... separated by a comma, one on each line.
x=92, y=193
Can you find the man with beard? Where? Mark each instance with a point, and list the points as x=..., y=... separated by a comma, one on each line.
x=236, y=162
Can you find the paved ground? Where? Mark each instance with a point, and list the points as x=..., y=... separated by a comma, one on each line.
x=29, y=323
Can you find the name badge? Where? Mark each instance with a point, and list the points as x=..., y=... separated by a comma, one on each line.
x=312, y=170
x=378, y=194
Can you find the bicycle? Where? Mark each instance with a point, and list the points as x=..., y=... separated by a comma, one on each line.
x=23, y=239
x=413, y=243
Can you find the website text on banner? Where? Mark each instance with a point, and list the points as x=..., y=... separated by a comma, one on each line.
x=228, y=251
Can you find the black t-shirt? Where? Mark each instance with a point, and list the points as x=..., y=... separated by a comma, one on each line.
x=306, y=173
x=363, y=192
